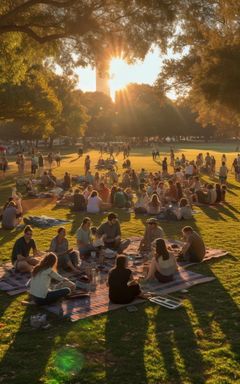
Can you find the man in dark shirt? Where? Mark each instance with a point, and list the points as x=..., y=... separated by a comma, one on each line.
x=21, y=250
x=194, y=248
x=110, y=232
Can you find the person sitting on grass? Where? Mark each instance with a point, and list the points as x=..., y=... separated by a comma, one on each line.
x=110, y=232
x=11, y=216
x=68, y=259
x=42, y=275
x=94, y=203
x=123, y=289
x=154, y=205
x=79, y=202
x=120, y=200
x=84, y=238
x=163, y=265
x=184, y=210
x=152, y=232
x=194, y=248
x=21, y=258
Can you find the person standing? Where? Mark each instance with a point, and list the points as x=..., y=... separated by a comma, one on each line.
x=87, y=164
x=223, y=172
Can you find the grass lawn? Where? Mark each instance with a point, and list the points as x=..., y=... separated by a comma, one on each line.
x=198, y=343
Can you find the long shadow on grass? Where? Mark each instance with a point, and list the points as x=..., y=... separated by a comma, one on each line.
x=182, y=337
x=218, y=306
x=125, y=335
x=28, y=354
x=217, y=212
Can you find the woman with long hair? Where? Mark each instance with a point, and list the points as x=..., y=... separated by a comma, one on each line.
x=94, y=203
x=154, y=205
x=123, y=289
x=68, y=258
x=163, y=265
x=42, y=275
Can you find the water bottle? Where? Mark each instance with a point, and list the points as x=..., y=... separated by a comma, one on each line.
x=93, y=273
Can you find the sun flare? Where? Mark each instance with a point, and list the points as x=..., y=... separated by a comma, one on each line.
x=118, y=75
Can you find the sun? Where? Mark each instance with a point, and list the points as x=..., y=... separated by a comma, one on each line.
x=118, y=75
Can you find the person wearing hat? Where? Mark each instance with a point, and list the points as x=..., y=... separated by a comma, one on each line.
x=110, y=232
x=152, y=232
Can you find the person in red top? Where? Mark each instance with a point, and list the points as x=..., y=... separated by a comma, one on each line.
x=104, y=192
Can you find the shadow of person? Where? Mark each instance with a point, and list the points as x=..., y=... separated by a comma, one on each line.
x=219, y=307
x=176, y=333
x=29, y=351
x=125, y=335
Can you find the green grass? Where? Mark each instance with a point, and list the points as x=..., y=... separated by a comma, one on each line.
x=197, y=344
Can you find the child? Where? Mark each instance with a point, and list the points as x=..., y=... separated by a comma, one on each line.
x=98, y=243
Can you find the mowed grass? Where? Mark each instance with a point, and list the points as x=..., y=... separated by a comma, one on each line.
x=198, y=343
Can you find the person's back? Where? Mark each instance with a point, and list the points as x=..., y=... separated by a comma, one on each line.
x=9, y=216
x=167, y=267
x=186, y=212
x=197, y=246
x=120, y=199
x=93, y=204
x=79, y=203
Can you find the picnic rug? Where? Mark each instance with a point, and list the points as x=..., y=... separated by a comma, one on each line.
x=14, y=283
x=44, y=221
x=211, y=253
x=98, y=302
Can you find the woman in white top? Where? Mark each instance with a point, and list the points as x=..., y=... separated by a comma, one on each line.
x=163, y=265
x=184, y=210
x=42, y=275
x=94, y=203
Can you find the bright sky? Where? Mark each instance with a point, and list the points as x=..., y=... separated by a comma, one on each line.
x=122, y=74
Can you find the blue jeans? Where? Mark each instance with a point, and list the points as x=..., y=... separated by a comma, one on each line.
x=52, y=296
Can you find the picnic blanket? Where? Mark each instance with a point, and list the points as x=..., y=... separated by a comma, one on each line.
x=211, y=253
x=12, y=282
x=98, y=302
x=44, y=221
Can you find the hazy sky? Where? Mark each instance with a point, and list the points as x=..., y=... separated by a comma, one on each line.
x=121, y=73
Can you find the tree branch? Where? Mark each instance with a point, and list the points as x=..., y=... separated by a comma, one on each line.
x=32, y=34
x=30, y=3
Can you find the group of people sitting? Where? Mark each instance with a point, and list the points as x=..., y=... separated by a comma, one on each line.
x=123, y=287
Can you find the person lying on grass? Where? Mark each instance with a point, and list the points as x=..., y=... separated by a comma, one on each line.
x=21, y=259
x=163, y=264
x=42, y=275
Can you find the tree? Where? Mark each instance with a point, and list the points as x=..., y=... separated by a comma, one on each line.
x=90, y=27
x=144, y=110
x=208, y=69
x=33, y=104
x=72, y=121
x=101, y=110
